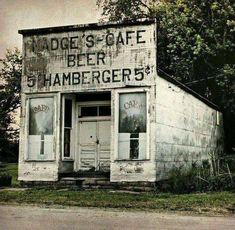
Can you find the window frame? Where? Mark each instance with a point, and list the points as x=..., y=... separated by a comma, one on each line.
x=93, y=103
x=217, y=118
x=116, y=121
x=72, y=128
x=27, y=120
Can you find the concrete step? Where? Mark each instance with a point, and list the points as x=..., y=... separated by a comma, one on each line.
x=103, y=183
x=92, y=174
x=81, y=181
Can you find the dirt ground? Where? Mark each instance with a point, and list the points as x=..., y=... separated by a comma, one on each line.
x=27, y=217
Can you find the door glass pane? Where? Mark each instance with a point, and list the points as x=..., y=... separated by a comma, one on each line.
x=90, y=111
x=104, y=111
x=132, y=126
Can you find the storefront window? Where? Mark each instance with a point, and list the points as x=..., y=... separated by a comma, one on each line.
x=41, y=128
x=132, y=126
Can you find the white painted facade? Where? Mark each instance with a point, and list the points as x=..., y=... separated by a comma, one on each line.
x=92, y=100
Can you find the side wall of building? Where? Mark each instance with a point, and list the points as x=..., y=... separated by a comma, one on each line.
x=187, y=130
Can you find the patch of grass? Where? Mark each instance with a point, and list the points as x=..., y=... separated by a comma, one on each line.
x=11, y=169
x=206, y=203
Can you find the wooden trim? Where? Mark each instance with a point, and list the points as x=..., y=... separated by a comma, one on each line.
x=99, y=118
x=91, y=26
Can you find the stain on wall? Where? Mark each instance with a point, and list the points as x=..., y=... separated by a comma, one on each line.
x=131, y=167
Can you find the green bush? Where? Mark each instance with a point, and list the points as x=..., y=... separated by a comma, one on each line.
x=10, y=169
x=199, y=178
x=5, y=179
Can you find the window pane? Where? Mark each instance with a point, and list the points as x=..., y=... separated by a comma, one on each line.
x=132, y=126
x=90, y=111
x=134, y=149
x=68, y=113
x=104, y=111
x=41, y=119
x=67, y=135
x=41, y=116
x=132, y=113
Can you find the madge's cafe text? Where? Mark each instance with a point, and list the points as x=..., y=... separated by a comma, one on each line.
x=90, y=59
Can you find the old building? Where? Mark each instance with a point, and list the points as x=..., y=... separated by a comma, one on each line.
x=92, y=101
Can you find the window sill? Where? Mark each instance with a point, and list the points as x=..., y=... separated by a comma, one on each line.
x=101, y=118
x=39, y=160
x=68, y=159
x=132, y=160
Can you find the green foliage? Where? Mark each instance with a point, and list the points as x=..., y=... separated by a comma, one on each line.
x=199, y=178
x=12, y=170
x=196, y=45
x=210, y=203
x=200, y=38
x=124, y=10
x=10, y=78
x=216, y=203
x=5, y=179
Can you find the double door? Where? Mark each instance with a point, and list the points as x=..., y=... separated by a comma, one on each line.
x=94, y=145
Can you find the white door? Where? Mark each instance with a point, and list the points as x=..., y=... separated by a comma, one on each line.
x=104, y=135
x=94, y=145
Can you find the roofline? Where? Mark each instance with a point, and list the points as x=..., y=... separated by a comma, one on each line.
x=192, y=92
x=90, y=26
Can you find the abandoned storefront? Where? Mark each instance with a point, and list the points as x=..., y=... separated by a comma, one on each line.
x=92, y=101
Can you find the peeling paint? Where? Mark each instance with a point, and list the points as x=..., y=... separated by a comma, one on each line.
x=131, y=168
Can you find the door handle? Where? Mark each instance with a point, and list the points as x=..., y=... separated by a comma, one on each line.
x=97, y=141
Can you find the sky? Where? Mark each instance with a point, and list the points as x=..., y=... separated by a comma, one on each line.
x=27, y=14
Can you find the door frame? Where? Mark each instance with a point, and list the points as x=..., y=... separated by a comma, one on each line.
x=77, y=152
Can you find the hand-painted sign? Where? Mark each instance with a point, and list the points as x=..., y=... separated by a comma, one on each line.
x=98, y=58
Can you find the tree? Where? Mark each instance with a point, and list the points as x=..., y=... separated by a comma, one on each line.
x=115, y=10
x=196, y=45
x=10, y=78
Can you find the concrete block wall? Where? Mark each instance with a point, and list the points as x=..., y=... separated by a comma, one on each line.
x=187, y=130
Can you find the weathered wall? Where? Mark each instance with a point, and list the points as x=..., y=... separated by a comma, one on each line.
x=186, y=129
x=38, y=171
x=66, y=166
x=34, y=170
x=89, y=58
x=133, y=171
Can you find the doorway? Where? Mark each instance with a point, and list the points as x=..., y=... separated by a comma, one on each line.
x=93, y=134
